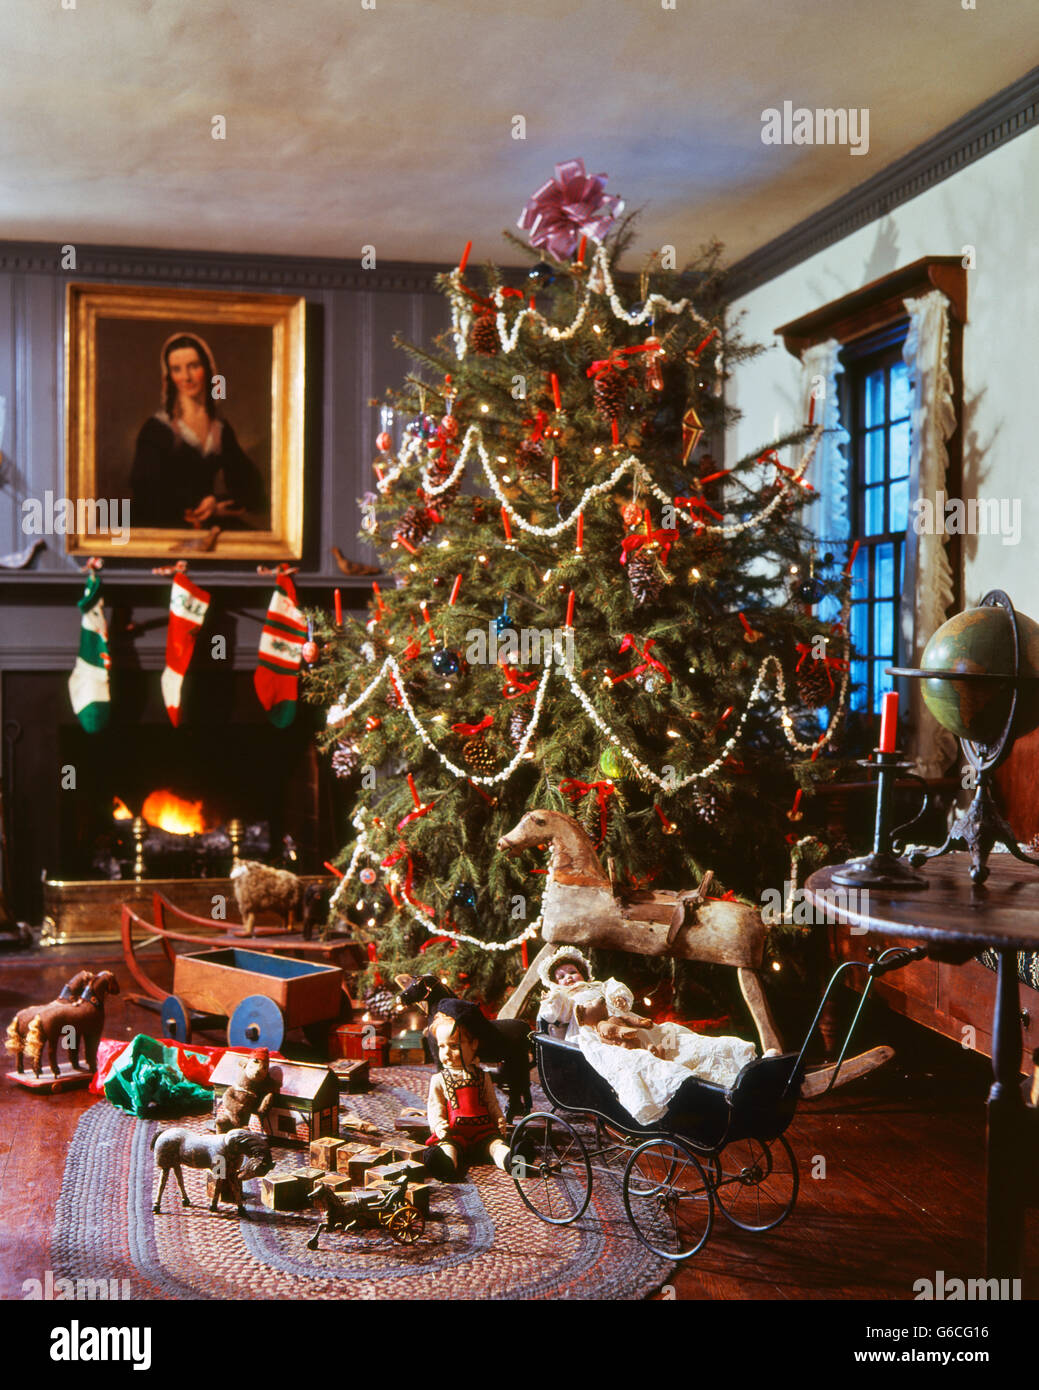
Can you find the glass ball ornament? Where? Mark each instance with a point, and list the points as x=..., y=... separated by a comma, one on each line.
x=367, y=876
x=808, y=590
x=446, y=662
x=310, y=652
x=541, y=275
x=384, y=441
x=611, y=763
x=465, y=895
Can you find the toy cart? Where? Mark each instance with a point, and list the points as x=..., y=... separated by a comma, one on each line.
x=261, y=995
x=369, y=1210
x=713, y=1147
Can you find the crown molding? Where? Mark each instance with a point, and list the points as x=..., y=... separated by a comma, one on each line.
x=216, y=269
x=1009, y=113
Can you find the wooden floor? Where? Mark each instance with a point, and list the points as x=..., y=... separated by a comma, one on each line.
x=892, y=1167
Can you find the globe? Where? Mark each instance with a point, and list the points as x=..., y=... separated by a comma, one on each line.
x=980, y=641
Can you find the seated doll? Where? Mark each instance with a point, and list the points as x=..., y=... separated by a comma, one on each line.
x=565, y=973
x=465, y=1119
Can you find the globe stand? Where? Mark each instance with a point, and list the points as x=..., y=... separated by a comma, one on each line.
x=981, y=826
x=882, y=868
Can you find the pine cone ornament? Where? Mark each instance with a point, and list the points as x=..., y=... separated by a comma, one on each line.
x=518, y=721
x=610, y=394
x=437, y=473
x=413, y=526
x=478, y=755
x=345, y=758
x=814, y=686
x=530, y=459
x=483, y=336
x=644, y=577
x=380, y=1001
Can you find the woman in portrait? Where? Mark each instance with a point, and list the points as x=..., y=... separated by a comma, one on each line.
x=189, y=469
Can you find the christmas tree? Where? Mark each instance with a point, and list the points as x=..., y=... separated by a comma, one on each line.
x=585, y=612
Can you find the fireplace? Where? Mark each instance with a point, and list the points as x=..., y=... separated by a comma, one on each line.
x=235, y=781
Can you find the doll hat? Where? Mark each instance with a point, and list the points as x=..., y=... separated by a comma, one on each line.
x=473, y=1019
x=557, y=958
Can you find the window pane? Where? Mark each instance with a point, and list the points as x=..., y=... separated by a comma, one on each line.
x=901, y=568
x=860, y=626
x=874, y=388
x=899, y=390
x=873, y=445
x=900, y=505
x=883, y=631
x=884, y=571
x=874, y=505
x=881, y=681
x=860, y=574
x=900, y=450
x=860, y=691
x=829, y=609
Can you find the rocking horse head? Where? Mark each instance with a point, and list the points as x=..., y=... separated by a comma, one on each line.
x=573, y=853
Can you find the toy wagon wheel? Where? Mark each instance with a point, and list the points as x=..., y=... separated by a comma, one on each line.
x=756, y=1184
x=176, y=1020
x=256, y=1022
x=667, y=1196
x=406, y=1225
x=550, y=1168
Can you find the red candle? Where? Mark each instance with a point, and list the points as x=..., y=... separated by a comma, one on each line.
x=524, y=957
x=555, y=473
x=570, y=610
x=339, y=607
x=851, y=558
x=454, y=589
x=888, y=722
x=506, y=523
x=555, y=390
x=378, y=596
x=580, y=532
x=465, y=257
x=580, y=250
x=811, y=409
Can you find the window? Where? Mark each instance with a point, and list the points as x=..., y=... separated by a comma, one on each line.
x=875, y=410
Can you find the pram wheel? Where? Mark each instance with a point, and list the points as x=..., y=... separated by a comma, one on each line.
x=667, y=1196
x=755, y=1183
x=550, y=1168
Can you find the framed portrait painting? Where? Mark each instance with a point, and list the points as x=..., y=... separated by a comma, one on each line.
x=184, y=423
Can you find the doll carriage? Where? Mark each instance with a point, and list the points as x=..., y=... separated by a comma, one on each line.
x=712, y=1148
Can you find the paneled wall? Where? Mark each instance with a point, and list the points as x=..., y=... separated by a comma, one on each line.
x=352, y=317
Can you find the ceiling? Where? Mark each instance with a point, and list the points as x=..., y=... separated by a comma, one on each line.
x=391, y=125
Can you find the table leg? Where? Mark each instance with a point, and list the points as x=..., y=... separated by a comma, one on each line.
x=1007, y=1136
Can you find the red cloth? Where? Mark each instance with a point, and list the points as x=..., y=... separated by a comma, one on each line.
x=470, y=1123
x=197, y=1061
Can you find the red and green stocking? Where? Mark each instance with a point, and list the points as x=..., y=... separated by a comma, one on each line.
x=281, y=652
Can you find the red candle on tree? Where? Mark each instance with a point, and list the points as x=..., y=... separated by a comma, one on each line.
x=888, y=722
x=555, y=473
x=454, y=590
x=339, y=607
x=580, y=532
x=506, y=523
x=570, y=610
x=555, y=390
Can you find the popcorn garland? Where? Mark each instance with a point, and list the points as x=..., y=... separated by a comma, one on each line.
x=363, y=850
x=631, y=464
x=461, y=312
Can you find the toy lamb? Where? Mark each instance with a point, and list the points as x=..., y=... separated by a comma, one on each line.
x=258, y=888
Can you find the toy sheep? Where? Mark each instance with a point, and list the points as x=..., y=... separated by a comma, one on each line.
x=258, y=888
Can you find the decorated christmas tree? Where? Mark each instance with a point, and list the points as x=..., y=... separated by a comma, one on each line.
x=581, y=609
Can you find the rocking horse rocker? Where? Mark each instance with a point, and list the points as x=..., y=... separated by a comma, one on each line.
x=579, y=907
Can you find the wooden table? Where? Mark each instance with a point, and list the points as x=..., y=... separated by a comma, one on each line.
x=955, y=920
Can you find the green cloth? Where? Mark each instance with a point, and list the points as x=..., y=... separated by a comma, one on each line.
x=146, y=1078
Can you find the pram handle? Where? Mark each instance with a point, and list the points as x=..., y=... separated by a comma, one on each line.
x=894, y=958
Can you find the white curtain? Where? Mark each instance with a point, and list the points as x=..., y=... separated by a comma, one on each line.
x=829, y=518
x=927, y=593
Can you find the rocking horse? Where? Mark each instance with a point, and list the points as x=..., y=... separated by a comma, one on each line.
x=579, y=907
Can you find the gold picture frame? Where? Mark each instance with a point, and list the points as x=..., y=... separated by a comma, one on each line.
x=154, y=466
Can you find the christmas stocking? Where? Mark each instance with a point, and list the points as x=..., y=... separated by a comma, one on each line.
x=281, y=653
x=88, y=684
x=188, y=605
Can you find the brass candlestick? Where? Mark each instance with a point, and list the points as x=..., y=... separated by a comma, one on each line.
x=234, y=830
x=139, y=827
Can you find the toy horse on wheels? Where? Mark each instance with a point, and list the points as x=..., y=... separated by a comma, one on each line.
x=579, y=907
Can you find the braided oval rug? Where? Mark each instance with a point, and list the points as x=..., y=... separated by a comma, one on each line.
x=480, y=1241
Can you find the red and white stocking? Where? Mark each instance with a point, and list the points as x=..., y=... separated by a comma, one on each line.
x=281, y=652
x=188, y=605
